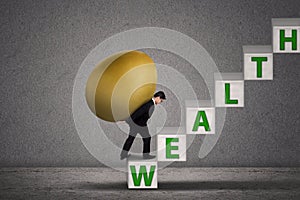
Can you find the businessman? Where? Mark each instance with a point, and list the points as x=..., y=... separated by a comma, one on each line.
x=138, y=124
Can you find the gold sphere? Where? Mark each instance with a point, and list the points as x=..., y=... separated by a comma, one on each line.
x=120, y=84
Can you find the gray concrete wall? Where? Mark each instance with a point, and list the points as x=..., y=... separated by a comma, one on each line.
x=43, y=43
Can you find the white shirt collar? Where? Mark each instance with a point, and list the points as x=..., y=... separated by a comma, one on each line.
x=153, y=101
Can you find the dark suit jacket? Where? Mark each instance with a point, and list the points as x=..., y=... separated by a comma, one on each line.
x=142, y=114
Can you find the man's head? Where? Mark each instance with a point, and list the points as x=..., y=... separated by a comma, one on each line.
x=159, y=97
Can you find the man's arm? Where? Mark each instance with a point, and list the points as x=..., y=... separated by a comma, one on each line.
x=140, y=111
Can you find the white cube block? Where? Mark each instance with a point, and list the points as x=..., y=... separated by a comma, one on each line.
x=258, y=62
x=142, y=174
x=171, y=147
x=229, y=90
x=286, y=35
x=200, y=119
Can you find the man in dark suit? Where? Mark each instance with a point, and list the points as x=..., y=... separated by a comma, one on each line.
x=138, y=124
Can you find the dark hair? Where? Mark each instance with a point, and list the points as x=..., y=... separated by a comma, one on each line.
x=160, y=94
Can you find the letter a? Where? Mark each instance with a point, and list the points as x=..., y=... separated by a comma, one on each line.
x=197, y=123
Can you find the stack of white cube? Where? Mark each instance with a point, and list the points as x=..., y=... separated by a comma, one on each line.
x=229, y=92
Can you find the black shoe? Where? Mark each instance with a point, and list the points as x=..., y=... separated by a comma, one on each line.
x=148, y=156
x=124, y=154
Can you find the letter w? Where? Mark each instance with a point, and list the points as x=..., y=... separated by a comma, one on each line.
x=142, y=172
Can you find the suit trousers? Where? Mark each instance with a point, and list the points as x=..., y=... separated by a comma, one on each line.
x=143, y=131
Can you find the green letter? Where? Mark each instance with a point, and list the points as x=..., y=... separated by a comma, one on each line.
x=292, y=39
x=142, y=172
x=197, y=122
x=227, y=95
x=169, y=148
x=259, y=61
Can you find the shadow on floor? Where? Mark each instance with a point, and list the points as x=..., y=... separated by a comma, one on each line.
x=204, y=185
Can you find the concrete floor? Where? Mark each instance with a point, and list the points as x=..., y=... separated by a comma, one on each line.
x=173, y=183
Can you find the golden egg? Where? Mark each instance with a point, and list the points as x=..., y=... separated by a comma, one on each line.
x=120, y=84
